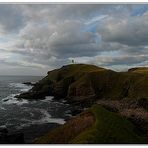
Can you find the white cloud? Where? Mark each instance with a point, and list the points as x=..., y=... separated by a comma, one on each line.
x=96, y=19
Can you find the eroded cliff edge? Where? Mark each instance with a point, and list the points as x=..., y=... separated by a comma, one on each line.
x=85, y=83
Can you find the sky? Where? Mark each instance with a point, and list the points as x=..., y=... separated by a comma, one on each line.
x=36, y=38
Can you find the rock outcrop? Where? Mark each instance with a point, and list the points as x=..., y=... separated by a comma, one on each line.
x=29, y=83
x=84, y=83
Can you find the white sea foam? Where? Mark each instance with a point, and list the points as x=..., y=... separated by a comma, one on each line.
x=3, y=126
x=68, y=113
x=47, y=99
x=1, y=107
x=45, y=118
x=22, y=87
x=12, y=100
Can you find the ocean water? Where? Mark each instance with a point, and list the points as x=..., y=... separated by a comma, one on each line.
x=33, y=118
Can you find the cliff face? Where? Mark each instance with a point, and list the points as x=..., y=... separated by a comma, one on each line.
x=79, y=82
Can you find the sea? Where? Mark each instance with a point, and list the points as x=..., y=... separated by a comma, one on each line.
x=33, y=118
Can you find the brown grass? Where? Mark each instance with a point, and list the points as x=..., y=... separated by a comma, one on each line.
x=125, y=108
x=69, y=130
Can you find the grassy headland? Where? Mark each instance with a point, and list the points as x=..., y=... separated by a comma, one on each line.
x=84, y=85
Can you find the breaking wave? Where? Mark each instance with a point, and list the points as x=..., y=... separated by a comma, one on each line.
x=20, y=86
x=12, y=100
x=45, y=118
x=21, y=114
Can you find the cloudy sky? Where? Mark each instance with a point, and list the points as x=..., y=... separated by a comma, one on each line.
x=37, y=38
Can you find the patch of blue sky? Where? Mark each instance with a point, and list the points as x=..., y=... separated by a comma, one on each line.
x=91, y=27
x=4, y=40
x=139, y=10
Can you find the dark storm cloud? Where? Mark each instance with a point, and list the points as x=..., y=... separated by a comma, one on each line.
x=11, y=18
x=131, y=30
x=62, y=40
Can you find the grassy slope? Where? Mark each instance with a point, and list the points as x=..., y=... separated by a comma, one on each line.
x=107, y=128
x=76, y=70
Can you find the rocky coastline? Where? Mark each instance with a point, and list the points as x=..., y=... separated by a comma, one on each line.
x=82, y=86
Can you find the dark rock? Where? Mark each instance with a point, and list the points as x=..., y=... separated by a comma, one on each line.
x=3, y=131
x=76, y=110
x=82, y=101
x=13, y=138
x=5, y=100
x=39, y=91
x=29, y=83
x=16, y=138
x=143, y=102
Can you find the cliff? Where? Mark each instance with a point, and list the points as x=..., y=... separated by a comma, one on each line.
x=86, y=83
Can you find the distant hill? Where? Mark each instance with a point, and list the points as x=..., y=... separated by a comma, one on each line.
x=143, y=70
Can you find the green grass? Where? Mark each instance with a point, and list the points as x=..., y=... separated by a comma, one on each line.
x=76, y=70
x=108, y=128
